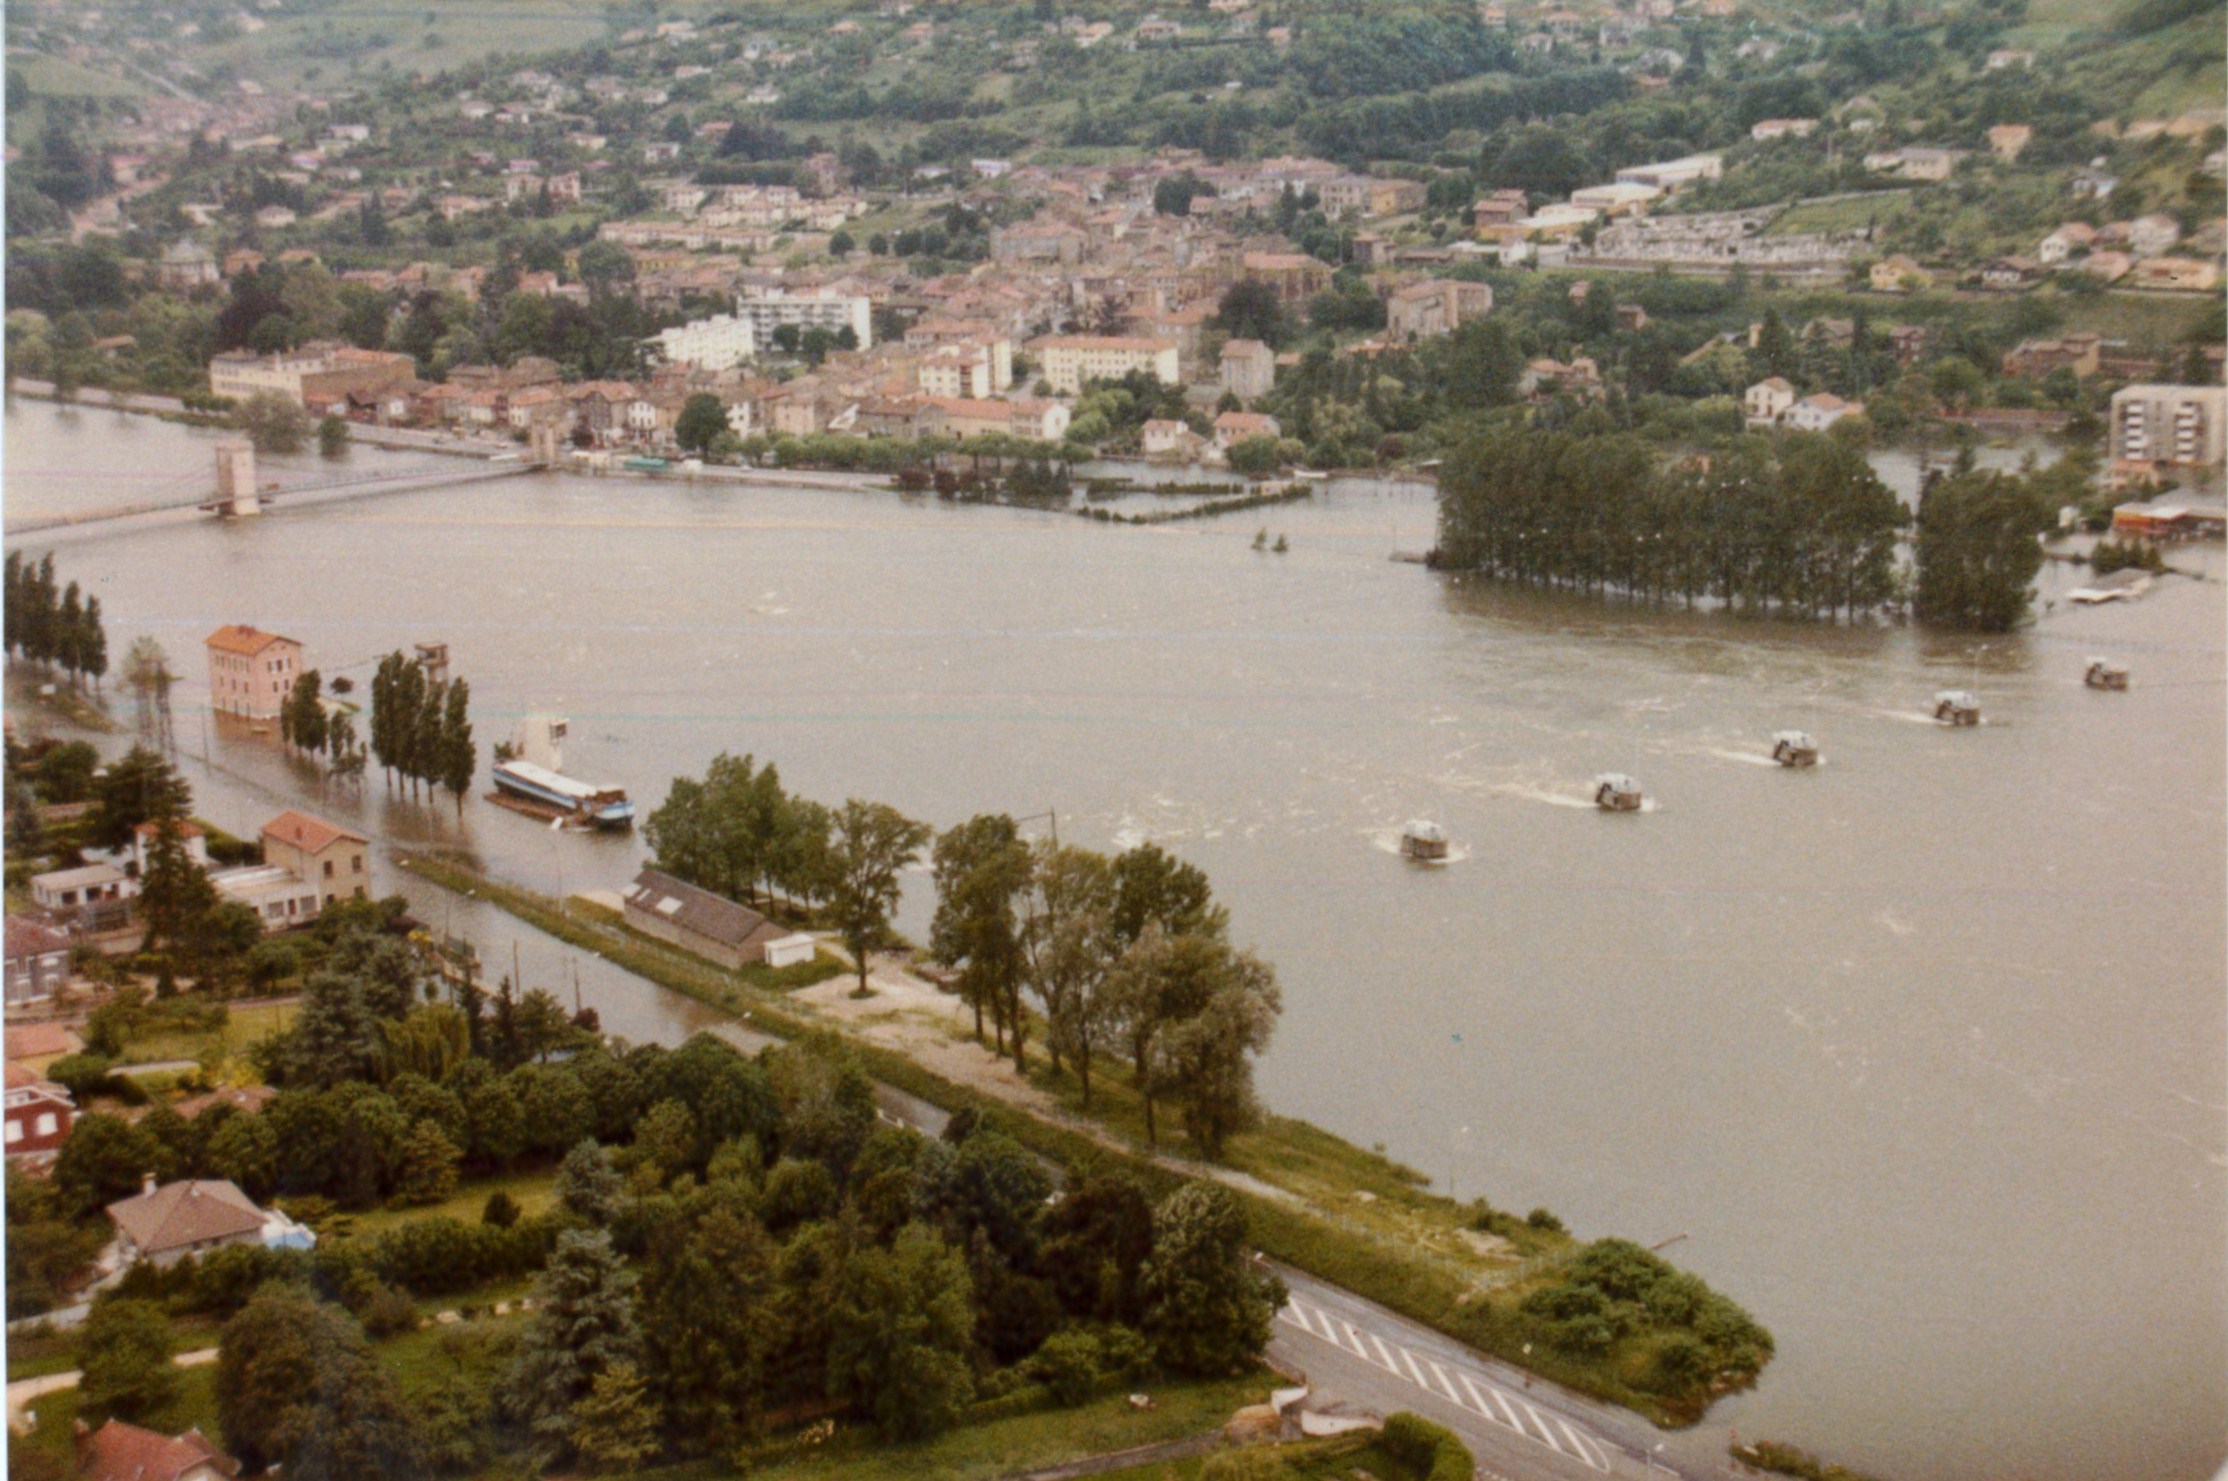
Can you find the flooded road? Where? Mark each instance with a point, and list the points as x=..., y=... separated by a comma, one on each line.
x=1922, y=1050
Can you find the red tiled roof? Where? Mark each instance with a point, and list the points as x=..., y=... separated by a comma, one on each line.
x=235, y=637
x=27, y=937
x=125, y=1452
x=310, y=835
x=185, y=1213
x=185, y=829
x=37, y=1040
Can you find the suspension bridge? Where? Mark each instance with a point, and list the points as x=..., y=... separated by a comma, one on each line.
x=236, y=494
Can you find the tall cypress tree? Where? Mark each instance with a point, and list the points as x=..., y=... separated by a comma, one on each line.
x=458, y=759
x=69, y=631
x=92, y=655
x=425, y=739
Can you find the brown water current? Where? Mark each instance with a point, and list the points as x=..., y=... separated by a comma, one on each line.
x=1922, y=1050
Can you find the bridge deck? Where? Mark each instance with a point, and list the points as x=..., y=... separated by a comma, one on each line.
x=358, y=485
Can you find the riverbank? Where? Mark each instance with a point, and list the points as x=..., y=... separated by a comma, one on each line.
x=1316, y=1202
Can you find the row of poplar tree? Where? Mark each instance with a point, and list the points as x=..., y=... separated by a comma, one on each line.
x=1792, y=525
x=56, y=626
x=421, y=727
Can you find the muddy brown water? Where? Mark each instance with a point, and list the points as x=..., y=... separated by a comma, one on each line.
x=1922, y=1050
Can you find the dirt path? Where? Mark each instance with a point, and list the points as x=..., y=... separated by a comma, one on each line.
x=935, y=1029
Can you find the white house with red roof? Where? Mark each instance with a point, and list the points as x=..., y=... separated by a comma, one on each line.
x=1815, y=413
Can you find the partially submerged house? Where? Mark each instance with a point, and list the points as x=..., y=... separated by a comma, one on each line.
x=698, y=921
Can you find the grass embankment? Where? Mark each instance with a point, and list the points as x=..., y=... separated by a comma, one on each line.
x=1351, y=1217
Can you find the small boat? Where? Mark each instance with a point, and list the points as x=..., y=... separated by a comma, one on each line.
x=1616, y=792
x=1423, y=841
x=1794, y=748
x=1309, y=475
x=1956, y=707
x=533, y=774
x=2103, y=673
x=645, y=465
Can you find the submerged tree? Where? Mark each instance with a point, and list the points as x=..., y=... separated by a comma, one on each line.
x=870, y=846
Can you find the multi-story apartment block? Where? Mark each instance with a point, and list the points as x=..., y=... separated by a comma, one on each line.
x=1069, y=360
x=2156, y=427
x=833, y=312
x=720, y=342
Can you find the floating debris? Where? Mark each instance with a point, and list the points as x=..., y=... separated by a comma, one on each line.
x=1616, y=792
x=1423, y=841
x=2103, y=673
x=1956, y=707
x=1794, y=748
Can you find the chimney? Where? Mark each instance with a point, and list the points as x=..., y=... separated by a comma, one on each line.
x=147, y=1184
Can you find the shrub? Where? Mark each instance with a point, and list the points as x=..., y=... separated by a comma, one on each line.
x=1025, y=1399
x=1431, y=1451
x=80, y=1074
x=388, y=1313
x=501, y=1211
x=228, y=1277
x=1070, y=1364
x=1544, y=1221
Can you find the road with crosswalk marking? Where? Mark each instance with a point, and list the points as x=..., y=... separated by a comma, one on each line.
x=1473, y=1394
x=1519, y=1429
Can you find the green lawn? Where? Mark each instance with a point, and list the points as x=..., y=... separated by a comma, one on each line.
x=439, y=1352
x=1025, y=1442
x=1844, y=215
x=1344, y=1459
x=59, y=77
x=243, y=1027
x=533, y=1192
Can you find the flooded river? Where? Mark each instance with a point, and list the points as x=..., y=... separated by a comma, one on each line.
x=1921, y=1051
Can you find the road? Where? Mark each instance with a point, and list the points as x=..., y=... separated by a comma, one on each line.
x=1519, y=1428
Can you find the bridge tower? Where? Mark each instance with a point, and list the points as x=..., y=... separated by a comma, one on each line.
x=542, y=444
x=237, y=495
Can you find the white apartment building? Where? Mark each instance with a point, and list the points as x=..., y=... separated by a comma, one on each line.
x=960, y=370
x=2173, y=426
x=242, y=373
x=1069, y=360
x=833, y=312
x=721, y=342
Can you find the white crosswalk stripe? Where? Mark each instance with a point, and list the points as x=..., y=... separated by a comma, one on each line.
x=1471, y=1393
